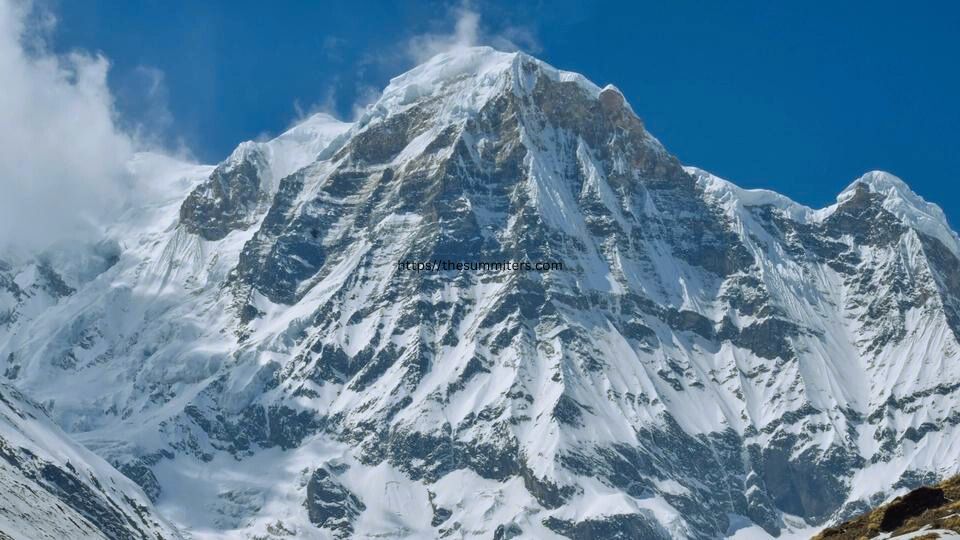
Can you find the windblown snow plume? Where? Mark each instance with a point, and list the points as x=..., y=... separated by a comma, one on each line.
x=469, y=31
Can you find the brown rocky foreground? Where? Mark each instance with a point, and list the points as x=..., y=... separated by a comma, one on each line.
x=930, y=508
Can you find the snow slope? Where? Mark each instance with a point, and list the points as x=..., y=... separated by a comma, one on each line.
x=53, y=488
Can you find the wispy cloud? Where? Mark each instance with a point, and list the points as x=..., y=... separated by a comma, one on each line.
x=460, y=27
x=326, y=104
x=144, y=90
x=364, y=97
x=63, y=154
x=468, y=30
x=466, y=33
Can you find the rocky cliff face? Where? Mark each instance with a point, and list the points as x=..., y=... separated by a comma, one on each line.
x=709, y=361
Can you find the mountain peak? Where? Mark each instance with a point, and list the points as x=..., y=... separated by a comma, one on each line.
x=903, y=202
x=882, y=183
x=469, y=76
x=894, y=196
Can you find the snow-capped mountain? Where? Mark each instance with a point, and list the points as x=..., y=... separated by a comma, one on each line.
x=253, y=350
x=53, y=488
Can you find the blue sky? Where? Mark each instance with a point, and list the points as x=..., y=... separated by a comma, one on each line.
x=800, y=98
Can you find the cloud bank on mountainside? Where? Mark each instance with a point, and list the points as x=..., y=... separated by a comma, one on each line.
x=63, y=156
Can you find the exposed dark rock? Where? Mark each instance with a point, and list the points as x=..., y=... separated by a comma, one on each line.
x=912, y=504
x=863, y=217
x=52, y=282
x=227, y=200
x=946, y=273
x=144, y=477
x=768, y=338
x=330, y=505
x=616, y=527
x=567, y=410
x=809, y=485
x=507, y=531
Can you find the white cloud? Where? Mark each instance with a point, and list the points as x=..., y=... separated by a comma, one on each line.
x=62, y=155
x=469, y=31
x=365, y=96
x=326, y=104
x=144, y=89
x=466, y=33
